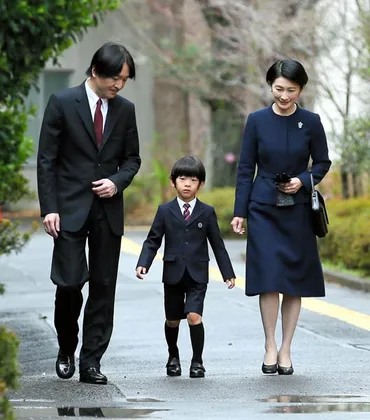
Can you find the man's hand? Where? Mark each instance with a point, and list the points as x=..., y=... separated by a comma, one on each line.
x=237, y=224
x=140, y=271
x=291, y=187
x=104, y=188
x=230, y=283
x=51, y=224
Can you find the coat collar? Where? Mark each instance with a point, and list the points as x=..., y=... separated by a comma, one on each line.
x=84, y=111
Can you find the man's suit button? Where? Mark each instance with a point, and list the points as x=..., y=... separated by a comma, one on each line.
x=98, y=164
x=186, y=243
x=186, y=230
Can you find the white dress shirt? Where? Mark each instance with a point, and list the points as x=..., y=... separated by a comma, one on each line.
x=192, y=204
x=93, y=99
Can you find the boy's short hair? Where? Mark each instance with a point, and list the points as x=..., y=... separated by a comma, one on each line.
x=188, y=166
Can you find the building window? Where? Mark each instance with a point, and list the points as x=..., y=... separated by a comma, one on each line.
x=50, y=81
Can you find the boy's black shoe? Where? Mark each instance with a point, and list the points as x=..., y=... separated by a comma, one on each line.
x=196, y=370
x=173, y=366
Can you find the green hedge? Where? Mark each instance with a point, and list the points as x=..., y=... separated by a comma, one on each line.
x=348, y=241
x=9, y=372
x=222, y=199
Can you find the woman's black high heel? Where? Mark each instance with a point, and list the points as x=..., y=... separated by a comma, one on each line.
x=285, y=370
x=269, y=369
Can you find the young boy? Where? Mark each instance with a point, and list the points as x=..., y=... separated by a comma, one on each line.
x=186, y=223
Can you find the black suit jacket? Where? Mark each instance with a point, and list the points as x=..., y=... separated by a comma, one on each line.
x=186, y=243
x=69, y=159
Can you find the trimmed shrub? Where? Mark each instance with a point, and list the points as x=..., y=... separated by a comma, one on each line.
x=9, y=372
x=348, y=240
x=222, y=199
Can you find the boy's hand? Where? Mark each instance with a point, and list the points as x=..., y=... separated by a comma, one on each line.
x=140, y=271
x=230, y=283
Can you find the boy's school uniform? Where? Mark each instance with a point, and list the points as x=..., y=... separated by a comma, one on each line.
x=186, y=247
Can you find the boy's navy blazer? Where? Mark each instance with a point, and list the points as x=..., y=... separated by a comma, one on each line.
x=186, y=244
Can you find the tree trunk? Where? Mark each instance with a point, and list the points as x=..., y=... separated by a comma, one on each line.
x=345, y=184
x=357, y=185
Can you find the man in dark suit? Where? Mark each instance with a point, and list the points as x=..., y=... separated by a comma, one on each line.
x=186, y=223
x=88, y=155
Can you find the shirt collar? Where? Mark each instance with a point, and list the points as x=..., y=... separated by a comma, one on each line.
x=192, y=202
x=93, y=97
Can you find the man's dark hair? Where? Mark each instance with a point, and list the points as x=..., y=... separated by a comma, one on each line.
x=190, y=166
x=109, y=60
x=289, y=69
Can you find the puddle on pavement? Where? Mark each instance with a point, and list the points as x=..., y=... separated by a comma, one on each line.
x=322, y=408
x=118, y=413
x=307, y=398
x=142, y=400
x=316, y=404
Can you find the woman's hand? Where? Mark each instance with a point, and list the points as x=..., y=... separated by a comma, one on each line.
x=291, y=187
x=237, y=224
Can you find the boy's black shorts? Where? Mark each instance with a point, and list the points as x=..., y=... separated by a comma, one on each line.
x=184, y=297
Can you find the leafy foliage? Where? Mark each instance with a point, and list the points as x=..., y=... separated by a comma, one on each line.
x=14, y=151
x=9, y=371
x=348, y=240
x=34, y=32
x=11, y=239
x=356, y=155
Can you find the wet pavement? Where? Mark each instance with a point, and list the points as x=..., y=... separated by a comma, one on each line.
x=331, y=357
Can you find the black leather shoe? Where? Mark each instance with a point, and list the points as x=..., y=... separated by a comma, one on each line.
x=196, y=370
x=285, y=370
x=269, y=369
x=92, y=375
x=65, y=365
x=173, y=366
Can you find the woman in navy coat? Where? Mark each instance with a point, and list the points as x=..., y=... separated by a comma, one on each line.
x=273, y=194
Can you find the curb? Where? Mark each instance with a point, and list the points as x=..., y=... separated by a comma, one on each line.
x=347, y=280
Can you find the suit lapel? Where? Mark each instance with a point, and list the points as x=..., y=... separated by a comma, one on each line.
x=83, y=109
x=175, y=210
x=112, y=117
x=198, y=210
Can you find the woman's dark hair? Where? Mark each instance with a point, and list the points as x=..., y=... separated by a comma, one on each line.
x=188, y=166
x=109, y=60
x=289, y=69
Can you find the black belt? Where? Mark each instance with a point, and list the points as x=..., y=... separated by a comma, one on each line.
x=269, y=175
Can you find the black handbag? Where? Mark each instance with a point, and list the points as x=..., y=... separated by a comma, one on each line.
x=320, y=218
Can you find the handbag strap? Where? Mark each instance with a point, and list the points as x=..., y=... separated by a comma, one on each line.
x=312, y=183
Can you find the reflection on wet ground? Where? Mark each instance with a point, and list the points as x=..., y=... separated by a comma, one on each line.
x=322, y=408
x=118, y=413
x=307, y=398
x=316, y=404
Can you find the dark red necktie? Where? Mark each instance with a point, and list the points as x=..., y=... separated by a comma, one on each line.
x=98, y=123
x=186, y=211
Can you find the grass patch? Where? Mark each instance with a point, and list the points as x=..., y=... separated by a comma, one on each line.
x=339, y=267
